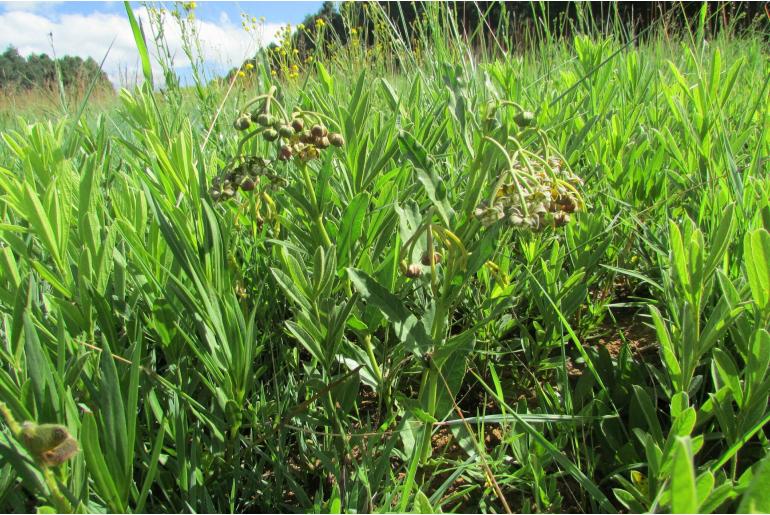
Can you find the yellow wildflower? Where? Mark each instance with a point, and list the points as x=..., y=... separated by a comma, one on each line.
x=249, y=66
x=241, y=74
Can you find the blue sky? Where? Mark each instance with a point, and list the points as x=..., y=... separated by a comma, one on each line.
x=287, y=12
x=87, y=29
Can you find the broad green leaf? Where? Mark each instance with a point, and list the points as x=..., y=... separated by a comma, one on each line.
x=407, y=327
x=421, y=503
x=757, y=254
x=756, y=499
x=683, y=493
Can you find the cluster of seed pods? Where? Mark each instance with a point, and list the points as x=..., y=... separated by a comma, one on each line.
x=540, y=194
x=243, y=176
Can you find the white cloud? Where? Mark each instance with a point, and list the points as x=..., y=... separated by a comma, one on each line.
x=29, y=6
x=223, y=43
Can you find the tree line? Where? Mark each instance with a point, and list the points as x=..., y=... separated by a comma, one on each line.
x=525, y=22
x=39, y=70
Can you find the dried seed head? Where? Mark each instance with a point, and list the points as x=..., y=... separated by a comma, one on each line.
x=425, y=259
x=322, y=142
x=317, y=131
x=248, y=184
x=560, y=218
x=297, y=124
x=285, y=153
x=336, y=139
x=413, y=271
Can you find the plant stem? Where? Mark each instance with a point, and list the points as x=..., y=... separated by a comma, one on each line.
x=372, y=358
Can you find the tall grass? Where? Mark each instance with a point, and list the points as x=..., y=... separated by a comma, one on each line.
x=356, y=333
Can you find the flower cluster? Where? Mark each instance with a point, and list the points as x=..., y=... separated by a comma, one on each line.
x=291, y=138
x=306, y=145
x=539, y=195
x=244, y=177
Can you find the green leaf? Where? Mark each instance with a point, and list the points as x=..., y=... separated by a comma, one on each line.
x=755, y=499
x=326, y=79
x=407, y=327
x=350, y=227
x=141, y=44
x=728, y=373
x=683, y=493
x=97, y=467
x=757, y=254
x=421, y=503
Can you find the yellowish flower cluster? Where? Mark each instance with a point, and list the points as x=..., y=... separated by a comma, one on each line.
x=539, y=194
x=252, y=24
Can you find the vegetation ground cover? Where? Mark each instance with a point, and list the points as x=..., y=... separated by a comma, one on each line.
x=429, y=275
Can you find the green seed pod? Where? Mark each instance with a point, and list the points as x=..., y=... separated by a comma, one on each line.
x=525, y=119
x=50, y=444
x=285, y=131
x=336, y=139
x=270, y=135
x=264, y=119
x=298, y=125
x=242, y=123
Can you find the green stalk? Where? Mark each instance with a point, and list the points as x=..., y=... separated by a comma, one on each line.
x=429, y=385
x=372, y=359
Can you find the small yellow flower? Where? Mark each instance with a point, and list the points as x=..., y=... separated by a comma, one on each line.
x=301, y=26
x=294, y=68
x=273, y=73
x=320, y=22
x=253, y=19
x=249, y=66
x=353, y=31
x=241, y=74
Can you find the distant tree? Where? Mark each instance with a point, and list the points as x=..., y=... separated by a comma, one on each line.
x=16, y=72
x=561, y=18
